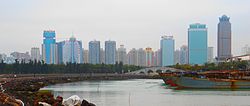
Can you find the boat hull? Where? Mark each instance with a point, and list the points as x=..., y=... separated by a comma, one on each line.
x=198, y=83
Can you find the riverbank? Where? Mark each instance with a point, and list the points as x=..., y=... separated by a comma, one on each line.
x=26, y=86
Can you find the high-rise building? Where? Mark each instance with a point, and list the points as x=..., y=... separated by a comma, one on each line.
x=72, y=51
x=94, y=52
x=177, y=56
x=224, y=39
x=86, y=56
x=210, y=54
x=184, y=54
x=141, y=57
x=35, y=54
x=149, y=57
x=60, y=51
x=197, y=43
x=167, y=50
x=122, y=54
x=132, y=57
x=157, y=58
x=102, y=55
x=49, y=47
x=110, y=52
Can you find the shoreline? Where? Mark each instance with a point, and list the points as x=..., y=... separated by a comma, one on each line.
x=26, y=86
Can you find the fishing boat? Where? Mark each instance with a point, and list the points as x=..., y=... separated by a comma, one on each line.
x=209, y=80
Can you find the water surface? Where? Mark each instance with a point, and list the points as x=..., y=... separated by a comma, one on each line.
x=147, y=92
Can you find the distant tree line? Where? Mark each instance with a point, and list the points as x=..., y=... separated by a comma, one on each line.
x=40, y=67
x=233, y=65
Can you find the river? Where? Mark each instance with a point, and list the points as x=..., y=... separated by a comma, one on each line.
x=147, y=92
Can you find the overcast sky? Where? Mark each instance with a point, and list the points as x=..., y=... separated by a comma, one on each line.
x=134, y=23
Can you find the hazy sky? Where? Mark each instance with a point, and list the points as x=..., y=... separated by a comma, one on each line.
x=134, y=23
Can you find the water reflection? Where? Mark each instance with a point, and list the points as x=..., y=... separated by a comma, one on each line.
x=147, y=92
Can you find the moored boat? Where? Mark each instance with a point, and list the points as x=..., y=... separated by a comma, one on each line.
x=208, y=80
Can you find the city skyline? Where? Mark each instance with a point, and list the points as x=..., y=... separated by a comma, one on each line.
x=89, y=20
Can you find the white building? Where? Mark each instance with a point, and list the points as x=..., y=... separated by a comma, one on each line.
x=72, y=51
x=35, y=54
x=141, y=55
x=121, y=55
x=210, y=54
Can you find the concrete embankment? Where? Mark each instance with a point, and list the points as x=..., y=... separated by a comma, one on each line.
x=26, y=86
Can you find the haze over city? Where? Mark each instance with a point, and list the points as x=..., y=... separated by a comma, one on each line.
x=136, y=24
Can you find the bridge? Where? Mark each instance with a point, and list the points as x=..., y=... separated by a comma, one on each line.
x=153, y=70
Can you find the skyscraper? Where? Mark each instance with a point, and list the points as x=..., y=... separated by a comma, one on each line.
x=60, y=51
x=149, y=57
x=184, y=54
x=94, y=52
x=35, y=54
x=177, y=56
x=157, y=58
x=224, y=39
x=86, y=56
x=49, y=47
x=110, y=52
x=197, y=43
x=122, y=54
x=132, y=57
x=141, y=57
x=167, y=50
x=210, y=54
x=102, y=55
x=72, y=51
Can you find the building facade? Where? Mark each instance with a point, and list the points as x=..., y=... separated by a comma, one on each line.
x=132, y=57
x=167, y=50
x=72, y=51
x=60, y=51
x=122, y=54
x=184, y=54
x=197, y=43
x=86, y=56
x=141, y=57
x=224, y=39
x=102, y=56
x=49, y=47
x=35, y=54
x=210, y=54
x=157, y=58
x=94, y=52
x=110, y=52
x=177, y=56
x=149, y=57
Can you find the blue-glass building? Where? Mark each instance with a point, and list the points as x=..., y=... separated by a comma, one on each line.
x=49, y=48
x=94, y=52
x=110, y=52
x=60, y=51
x=197, y=44
x=167, y=50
